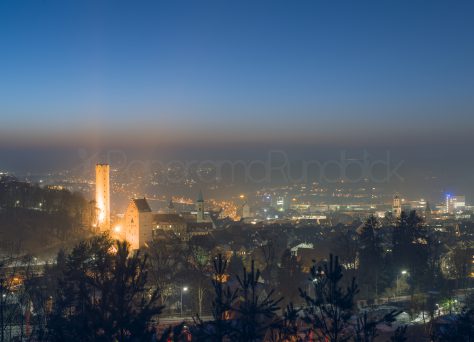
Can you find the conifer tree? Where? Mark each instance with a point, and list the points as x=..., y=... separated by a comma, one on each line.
x=329, y=309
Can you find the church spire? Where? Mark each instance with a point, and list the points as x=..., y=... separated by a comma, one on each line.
x=200, y=208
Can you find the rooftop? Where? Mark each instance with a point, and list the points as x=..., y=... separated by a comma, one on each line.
x=142, y=204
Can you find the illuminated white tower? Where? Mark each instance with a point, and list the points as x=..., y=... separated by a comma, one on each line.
x=102, y=196
x=397, y=207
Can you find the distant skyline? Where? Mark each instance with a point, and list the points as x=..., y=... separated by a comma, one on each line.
x=337, y=73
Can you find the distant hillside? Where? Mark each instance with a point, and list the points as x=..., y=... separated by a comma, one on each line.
x=36, y=220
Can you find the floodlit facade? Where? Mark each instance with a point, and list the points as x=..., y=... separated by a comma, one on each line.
x=102, y=196
x=397, y=207
x=137, y=228
x=455, y=203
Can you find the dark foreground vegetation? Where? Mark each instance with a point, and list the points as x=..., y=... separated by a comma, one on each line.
x=101, y=291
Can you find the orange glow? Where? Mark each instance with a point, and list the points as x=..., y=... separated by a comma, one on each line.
x=102, y=195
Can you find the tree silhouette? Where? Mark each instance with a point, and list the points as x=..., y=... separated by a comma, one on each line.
x=198, y=268
x=103, y=294
x=290, y=277
x=329, y=309
x=399, y=335
x=256, y=310
x=286, y=329
x=366, y=325
x=236, y=264
x=410, y=250
x=371, y=257
x=166, y=264
x=246, y=313
x=219, y=328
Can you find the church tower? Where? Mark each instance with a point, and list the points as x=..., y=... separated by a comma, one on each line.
x=200, y=208
x=397, y=207
x=102, y=196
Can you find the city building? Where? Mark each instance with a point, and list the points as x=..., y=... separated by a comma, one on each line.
x=200, y=208
x=141, y=224
x=181, y=225
x=137, y=227
x=397, y=207
x=170, y=223
x=455, y=203
x=280, y=203
x=102, y=196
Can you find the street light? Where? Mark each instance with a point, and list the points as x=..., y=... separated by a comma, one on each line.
x=183, y=289
x=403, y=272
x=117, y=229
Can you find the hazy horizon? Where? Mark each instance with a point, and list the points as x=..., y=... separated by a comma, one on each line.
x=212, y=80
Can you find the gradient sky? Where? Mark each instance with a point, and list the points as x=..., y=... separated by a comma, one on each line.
x=320, y=70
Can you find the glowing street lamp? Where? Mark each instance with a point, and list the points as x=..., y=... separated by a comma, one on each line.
x=183, y=289
x=403, y=272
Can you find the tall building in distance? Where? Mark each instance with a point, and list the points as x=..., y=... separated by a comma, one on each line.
x=455, y=203
x=102, y=196
x=397, y=207
x=200, y=208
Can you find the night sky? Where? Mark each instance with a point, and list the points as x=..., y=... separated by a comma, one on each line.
x=366, y=74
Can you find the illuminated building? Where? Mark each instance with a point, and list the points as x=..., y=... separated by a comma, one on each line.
x=102, y=196
x=170, y=222
x=397, y=207
x=138, y=228
x=280, y=203
x=179, y=225
x=455, y=203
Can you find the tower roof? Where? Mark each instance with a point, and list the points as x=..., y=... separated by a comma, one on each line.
x=142, y=204
x=168, y=218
